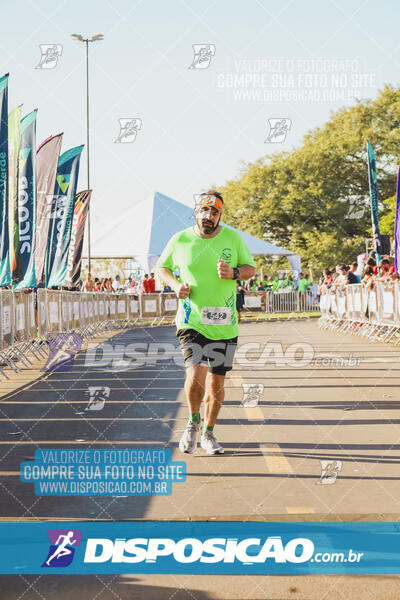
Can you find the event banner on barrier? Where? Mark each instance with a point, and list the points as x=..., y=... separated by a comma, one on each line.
x=27, y=202
x=47, y=156
x=218, y=548
x=61, y=217
x=5, y=274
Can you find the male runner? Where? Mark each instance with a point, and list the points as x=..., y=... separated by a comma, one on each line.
x=210, y=257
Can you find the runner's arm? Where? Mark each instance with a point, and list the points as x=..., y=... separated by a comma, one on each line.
x=167, y=276
x=225, y=271
x=246, y=271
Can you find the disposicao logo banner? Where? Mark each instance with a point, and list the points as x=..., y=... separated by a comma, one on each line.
x=217, y=548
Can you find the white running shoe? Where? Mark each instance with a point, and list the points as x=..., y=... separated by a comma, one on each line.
x=188, y=441
x=210, y=444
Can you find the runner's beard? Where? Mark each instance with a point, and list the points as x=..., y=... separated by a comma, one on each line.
x=209, y=228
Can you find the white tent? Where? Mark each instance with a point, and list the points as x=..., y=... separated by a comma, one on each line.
x=145, y=233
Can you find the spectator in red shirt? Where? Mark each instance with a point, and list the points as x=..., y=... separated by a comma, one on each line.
x=145, y=285
x=152, y=284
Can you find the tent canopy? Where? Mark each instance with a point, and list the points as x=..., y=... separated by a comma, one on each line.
x=145, y=232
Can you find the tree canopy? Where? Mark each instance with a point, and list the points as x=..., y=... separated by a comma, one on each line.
x=315, y=200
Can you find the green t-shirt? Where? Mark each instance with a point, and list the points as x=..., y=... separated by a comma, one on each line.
x=211, y=306
x=303, y=284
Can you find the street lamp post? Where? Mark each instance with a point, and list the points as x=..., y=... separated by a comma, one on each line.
x=94, y=38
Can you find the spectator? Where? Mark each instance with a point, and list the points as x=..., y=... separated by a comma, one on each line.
x=260, y=287
x=269, y=283
x=303, y=283
x=145, y=284
x=368, y=278
x=116, y=285
x=385, y=270
x=167, y=289
x=346, y=276
x=152, y=284
x=325, y=281
x=96, y=284
x=88, y=285
x=249, y=284
x=353, y=270
x=239, y=298
x=336, y=274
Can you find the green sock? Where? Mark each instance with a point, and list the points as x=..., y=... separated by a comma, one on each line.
x=195, y=417
x=207, y=428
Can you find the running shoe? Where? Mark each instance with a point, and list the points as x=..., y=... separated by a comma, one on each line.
x=188, y=442
x=210, y=444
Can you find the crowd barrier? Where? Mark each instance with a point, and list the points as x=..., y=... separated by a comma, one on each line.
x=373, y=313
x=28, y=318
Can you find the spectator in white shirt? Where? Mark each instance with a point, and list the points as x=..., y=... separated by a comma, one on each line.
x=116, y=284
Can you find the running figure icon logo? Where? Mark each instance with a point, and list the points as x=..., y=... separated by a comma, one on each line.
x=63, y=348
x=252, y=393
x=278, y=129
x=50, y=54
x=62, y=547
x=97, y=397
x=128, y=129
x=329, y=471
x=203, y=53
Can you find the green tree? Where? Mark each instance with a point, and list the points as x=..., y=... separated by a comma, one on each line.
x=315, y=200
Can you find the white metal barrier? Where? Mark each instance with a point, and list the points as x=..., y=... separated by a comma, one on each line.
x=374, y=312
x=28, y=318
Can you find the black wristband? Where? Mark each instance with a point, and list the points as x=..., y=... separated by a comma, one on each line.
x=235, y=273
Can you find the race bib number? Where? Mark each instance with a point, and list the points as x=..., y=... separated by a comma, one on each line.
x=215, y=315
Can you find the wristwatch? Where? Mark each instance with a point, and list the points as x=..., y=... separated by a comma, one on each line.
x=235, y=273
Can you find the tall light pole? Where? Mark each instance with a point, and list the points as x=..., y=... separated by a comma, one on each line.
x=95, y=38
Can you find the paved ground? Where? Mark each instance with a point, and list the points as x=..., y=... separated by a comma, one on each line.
x=318, y=411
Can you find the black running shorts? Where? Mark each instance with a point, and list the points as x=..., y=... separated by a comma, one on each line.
x=197, y=349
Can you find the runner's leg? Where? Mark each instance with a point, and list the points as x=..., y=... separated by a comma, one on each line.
x=214, y=397
x=195, y=386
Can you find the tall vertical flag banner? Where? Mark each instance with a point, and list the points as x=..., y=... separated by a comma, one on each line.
x=5, y=273
x=25, y=254
x=61, y=217
x=14, y=119
x=74, y=262
x=373, y=191
x=397, y=226
x=47, y=157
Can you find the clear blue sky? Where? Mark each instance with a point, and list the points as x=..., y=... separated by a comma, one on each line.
x=196, y=128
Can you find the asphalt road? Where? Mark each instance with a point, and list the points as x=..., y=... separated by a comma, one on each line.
x=323, y=396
